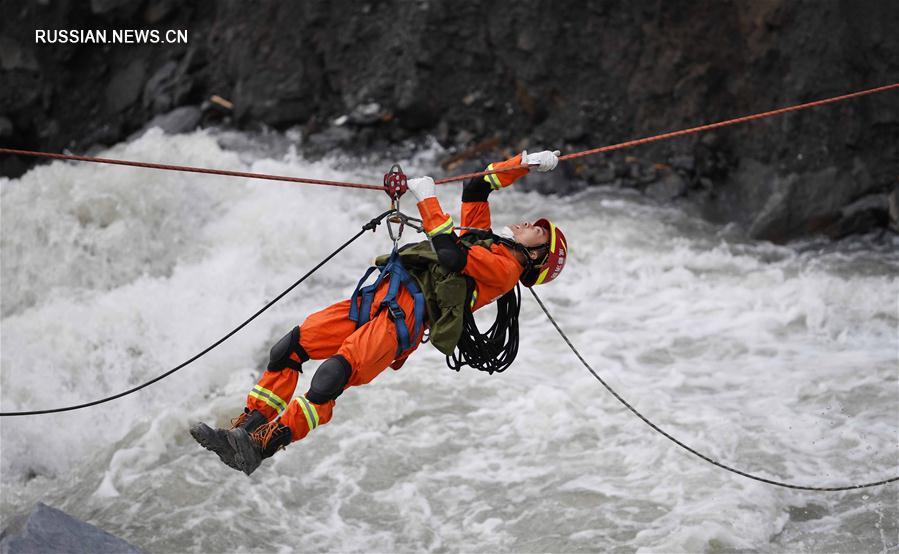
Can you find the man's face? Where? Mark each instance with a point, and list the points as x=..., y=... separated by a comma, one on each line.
x=528, y=234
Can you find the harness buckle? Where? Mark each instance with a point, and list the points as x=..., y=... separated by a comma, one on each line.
x=396, y=313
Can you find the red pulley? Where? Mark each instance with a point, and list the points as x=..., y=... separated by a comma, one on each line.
x=395, y=182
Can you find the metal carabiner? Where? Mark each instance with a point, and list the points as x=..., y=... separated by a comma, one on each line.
x=395, y=218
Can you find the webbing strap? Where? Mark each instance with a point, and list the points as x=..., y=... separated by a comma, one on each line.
x=358, y=313
x=363, y=297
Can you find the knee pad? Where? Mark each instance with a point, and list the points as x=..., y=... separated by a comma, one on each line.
x=329, y=380
x=279, y=357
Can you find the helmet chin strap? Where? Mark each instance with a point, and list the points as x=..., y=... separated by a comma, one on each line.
x=529, y=262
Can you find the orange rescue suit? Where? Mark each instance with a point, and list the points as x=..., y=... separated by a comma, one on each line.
x=371, y=348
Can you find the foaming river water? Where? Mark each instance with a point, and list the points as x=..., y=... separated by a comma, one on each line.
x=781, y=361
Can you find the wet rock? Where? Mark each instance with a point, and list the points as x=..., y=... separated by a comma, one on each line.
x=639, y=171
x=258, y=102
x=12, y=166
x=47, y=529
x=747, y=195
x=561, y=181
x=167, y=88
x=463, y=137
x=779, y=206
x=366, y=114
x=331, y=138
x=121, y=8
x=6, y=127
x=596, y=174
x=179, y=120
x=669, y=187
x=14, y=56
x=414, y=111
x=806, y=203
x=862, y=216
x=108, y=133
x=604, y=175
x=894, y=208
x=471, y=98
x=153, y=90
x=158, y=10
x=683, y=163
x=125, y=86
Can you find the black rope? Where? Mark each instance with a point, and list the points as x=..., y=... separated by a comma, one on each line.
x=370, y=226
x=684, y=446
x=495, y=350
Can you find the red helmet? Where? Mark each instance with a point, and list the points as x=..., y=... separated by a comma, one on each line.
x=555, y=259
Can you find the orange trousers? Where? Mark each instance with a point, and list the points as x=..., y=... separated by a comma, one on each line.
x=370, y=349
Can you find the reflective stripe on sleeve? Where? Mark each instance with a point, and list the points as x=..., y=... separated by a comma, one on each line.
x=444, y=228
x=492, y=179
x=308, y=411
x=474, y=298
x=269, y=398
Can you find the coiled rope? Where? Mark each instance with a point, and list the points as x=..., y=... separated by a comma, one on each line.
x=370, y=226
x=494, y=350
x=465, y=176
x=689, y=449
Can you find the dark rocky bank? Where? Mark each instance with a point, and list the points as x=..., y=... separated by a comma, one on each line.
x=487, y=78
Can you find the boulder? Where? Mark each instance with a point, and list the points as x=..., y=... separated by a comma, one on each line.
x=803, y=203
x=125, y=86
x=669, y=187
x=122, y=8
x=367, y=113
x=866, y=214
x=561, y=181
x=6, y=127
x=14, y=56
x=894, y=208
x=47, y=529
x=179, y=120
x=168, y=87
x=332, y=138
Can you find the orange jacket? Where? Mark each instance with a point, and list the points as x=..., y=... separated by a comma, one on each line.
x=495, y=270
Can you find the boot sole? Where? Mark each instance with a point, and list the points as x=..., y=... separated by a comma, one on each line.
x=210, y=440
x=246, y=458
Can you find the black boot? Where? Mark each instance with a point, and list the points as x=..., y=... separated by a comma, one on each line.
x=252, y=448
x=217, y=439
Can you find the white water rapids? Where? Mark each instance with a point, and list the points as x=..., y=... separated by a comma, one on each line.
x=782, y=361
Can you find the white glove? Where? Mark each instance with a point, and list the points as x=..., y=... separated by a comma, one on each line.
x=422, y=187
x=545, y=161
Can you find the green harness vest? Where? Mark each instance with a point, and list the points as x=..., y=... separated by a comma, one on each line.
x=446, y=293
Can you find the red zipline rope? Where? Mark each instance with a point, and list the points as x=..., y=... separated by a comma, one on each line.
x=465, y=176
x=191, y=169
x=689, y=131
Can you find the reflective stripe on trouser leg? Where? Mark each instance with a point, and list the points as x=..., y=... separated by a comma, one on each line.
x=303, y=416
x=272, y=392
x=268, y=397
x=308, y=411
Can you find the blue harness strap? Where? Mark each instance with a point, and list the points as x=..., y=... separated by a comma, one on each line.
x=364, y=296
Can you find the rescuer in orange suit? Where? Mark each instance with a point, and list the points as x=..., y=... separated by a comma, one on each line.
x=355, y=354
